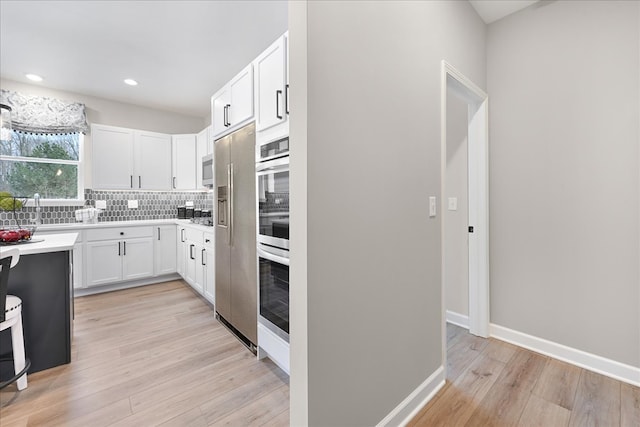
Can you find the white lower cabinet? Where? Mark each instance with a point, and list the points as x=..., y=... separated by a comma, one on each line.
x=165, y=249
x=195, y=251
x=118, y=254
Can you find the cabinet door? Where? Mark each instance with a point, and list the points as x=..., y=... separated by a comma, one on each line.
x=165, y=252
x=210, y=140
x=241, y=88
x=208, y=282
x=152, y=161
x=181, y=252
x=191, y=263
x=104, y=262
x=112, y=157
x=137, y=258
x=201, y=150
x=201, y=263
x=78, y=262
x=184, y=162
x=270, y=86
x=219, y=117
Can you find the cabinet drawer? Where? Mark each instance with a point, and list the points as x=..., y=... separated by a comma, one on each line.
x=118, y=233
x=193, y=235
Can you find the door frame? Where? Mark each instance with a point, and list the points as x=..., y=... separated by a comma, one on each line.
x=453, y=81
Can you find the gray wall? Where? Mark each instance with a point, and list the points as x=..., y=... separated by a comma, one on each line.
x=563, y=84
x=456, y=235
x=106, y=112
x=372, y=147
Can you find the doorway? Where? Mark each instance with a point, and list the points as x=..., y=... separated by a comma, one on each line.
x=476, y=200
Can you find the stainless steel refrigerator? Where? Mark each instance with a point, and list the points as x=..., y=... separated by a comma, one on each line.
x=236, y=265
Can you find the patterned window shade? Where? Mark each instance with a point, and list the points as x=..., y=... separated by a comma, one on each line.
x=37, y=114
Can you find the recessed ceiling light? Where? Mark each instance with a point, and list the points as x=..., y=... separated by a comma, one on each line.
x=131, y=82
x=34, y=77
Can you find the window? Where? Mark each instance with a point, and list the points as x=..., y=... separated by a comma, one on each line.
x=42, y=163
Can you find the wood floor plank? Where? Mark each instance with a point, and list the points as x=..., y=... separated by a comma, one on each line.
x=461, y=354
x=541, y=413
x=499, y=350
x=597, y=401
x=280, y=420
x=508, y=397
x=558, y=383
x=264, y=408
x=191, y=418
x=630, y=406
x=458, y=402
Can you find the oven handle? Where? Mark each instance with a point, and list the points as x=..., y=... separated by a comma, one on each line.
x=269, y=166
x=271, y=257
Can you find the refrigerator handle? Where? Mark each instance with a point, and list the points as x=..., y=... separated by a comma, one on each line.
x=228, y=204
x=231, y=203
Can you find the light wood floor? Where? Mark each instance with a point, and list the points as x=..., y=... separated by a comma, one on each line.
x=156, y=356
x=151, y=356
x=492, y=383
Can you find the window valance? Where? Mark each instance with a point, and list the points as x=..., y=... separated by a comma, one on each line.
x=38, y=114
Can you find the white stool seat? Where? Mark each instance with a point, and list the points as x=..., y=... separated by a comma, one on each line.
x=13, y=319
x=13, y=307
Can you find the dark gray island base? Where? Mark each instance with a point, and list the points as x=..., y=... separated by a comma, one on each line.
x=43, y=282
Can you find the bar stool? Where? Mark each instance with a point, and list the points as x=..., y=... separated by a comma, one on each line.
x=11, y=317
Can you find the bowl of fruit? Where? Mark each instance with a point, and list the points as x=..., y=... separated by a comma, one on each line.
x=15, y=235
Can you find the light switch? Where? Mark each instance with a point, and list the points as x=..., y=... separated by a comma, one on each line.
x=432, y=206
x=101, y=204
x=453, y=203
x=133, y=204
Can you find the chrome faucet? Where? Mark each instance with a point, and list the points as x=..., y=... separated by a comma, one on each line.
x=36, y=199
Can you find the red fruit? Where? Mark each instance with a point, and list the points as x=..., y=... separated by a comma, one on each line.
x=11, y=236
x=24, y=233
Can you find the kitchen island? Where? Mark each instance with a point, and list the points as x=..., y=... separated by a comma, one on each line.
x=42, y=279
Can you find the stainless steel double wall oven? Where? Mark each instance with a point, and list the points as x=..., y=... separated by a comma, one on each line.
x=272, y=170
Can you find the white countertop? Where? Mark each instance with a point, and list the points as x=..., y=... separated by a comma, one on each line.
x=64, y=228
x=51, y=243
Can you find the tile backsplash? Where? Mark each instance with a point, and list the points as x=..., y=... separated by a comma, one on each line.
x=151, y=205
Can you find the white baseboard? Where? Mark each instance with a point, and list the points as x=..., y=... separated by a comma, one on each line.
x=458, y=319
x=611, y=368
x=409, y=407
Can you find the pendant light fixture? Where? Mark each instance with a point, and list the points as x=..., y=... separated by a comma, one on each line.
x=5, y=122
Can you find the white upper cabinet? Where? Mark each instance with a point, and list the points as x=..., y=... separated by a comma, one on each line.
x=232, y=106
x=184, y=162
x=270, y=86
x=272, y=92
x=112, y=157
x=130, y=159
x=202, y=149
x=152, y=154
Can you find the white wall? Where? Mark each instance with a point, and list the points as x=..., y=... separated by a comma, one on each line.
x=106, y=112
x=371, y=301
x=456, y=223
x=563, y=81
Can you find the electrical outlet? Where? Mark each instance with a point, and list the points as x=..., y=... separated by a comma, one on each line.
x=101, y=204
x=133, y=204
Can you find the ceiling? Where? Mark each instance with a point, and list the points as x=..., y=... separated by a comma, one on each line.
x=492, y=10
x=180, y=52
